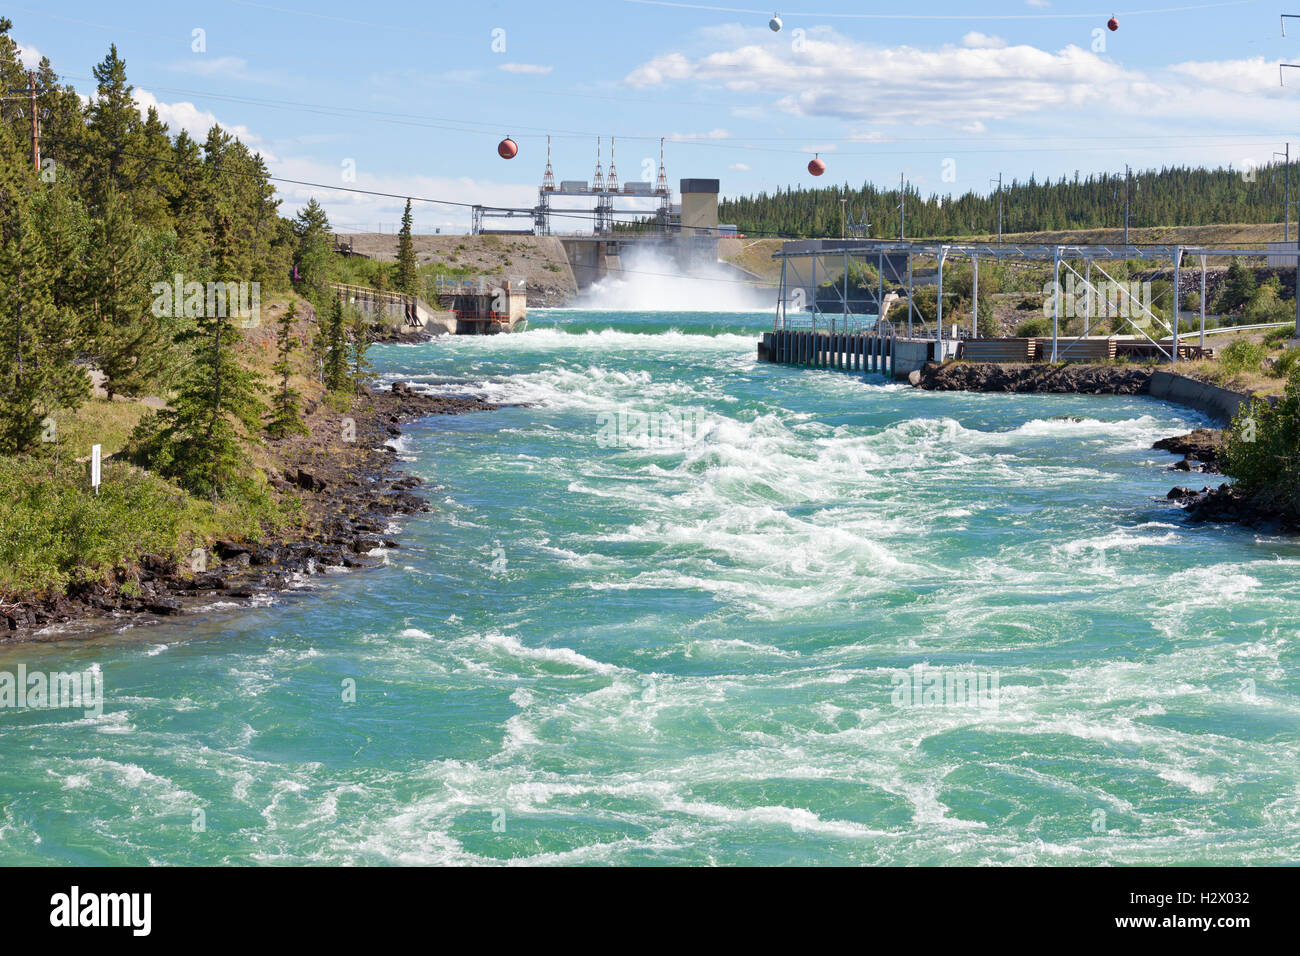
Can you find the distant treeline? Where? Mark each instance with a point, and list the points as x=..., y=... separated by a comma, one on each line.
x=1171, y=196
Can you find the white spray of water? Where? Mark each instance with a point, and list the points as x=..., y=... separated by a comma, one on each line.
x=654, y=282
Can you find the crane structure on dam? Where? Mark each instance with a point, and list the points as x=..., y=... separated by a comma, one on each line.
x=695, y=213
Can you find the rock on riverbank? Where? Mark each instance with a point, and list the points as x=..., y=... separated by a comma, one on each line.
x=348, y=479
x=1080, y=379
x=1228, y=504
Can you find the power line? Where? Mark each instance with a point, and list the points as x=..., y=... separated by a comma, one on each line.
x=585, y=217
x=942, y=16
x=418, y=120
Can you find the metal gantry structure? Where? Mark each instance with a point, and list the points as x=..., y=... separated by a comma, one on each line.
x=897, y=257
x=603, y=187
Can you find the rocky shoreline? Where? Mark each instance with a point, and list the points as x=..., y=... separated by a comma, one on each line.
x=351, y=486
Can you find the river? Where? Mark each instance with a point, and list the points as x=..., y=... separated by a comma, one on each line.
x=739, y=634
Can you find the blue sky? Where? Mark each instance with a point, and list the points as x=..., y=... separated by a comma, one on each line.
x=415, y=96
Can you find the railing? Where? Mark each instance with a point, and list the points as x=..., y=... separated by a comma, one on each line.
x=369, y=293
x=479, y=286
x=1221, y=329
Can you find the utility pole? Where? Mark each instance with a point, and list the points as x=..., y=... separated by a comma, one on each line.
x=999, y=181
x=1126, y=202
x=1280, y=75
x=1286, y=207
x=902, y=205
x=30, y=92
x=844, y=228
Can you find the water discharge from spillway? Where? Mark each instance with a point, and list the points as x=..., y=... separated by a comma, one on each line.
x=652, y=281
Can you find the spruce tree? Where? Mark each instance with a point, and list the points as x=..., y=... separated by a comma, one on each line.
x=112, y=125
x=311, y=228
x=361, y=366
x=37, y=342
x=126, y=340
x=286, y=416
x=1238, y=287
x=336, y=348
x=201, y=441
x=408, y=276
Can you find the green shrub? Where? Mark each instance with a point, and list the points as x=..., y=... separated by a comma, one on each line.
x=1279, y=335
x=56, y=532
x=1241, y=356
x=925, y=301
x=1267, y=305
x=1262, y=452
x=1031, y=328
x=1286, y=363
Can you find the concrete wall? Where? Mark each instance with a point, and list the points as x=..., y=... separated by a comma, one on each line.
x=910, y=355
x=699, y=212
x=588, y=259
x=1219, y=403
x=436, y=322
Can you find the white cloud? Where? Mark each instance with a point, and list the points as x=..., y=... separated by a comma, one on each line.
x=968, y=86
x=1256, y=75
x=30, y=56
x=661, y=69
x=740, y=167
x=533, y=69
x=983, y=41
x=188, y=117
x=870, y=136
x=688, y=137
x=355, y=212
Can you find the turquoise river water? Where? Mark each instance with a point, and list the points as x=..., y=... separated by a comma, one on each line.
x=713, y=645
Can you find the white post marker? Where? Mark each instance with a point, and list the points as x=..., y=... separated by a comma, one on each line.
x=94, y=467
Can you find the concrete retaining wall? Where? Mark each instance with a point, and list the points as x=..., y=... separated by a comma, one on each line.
x=1219, y=403
x=910, y=355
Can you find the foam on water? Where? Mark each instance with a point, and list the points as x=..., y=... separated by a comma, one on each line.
x=596, y=652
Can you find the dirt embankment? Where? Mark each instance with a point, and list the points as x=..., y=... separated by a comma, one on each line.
x=538, y=260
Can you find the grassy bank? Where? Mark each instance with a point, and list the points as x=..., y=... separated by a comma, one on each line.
x=57, y=534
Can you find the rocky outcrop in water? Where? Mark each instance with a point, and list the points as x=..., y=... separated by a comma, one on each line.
x=1079, y=379
x=1228, y=504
